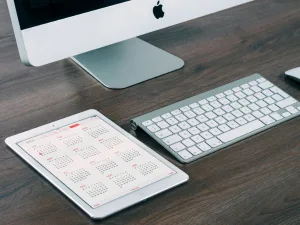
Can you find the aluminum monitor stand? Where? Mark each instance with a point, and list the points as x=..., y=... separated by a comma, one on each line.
x=127, y=63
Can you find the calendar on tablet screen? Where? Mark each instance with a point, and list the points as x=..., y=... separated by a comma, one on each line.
x=97, y=162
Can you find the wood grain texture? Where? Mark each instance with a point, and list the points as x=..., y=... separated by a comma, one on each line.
x=256, y=181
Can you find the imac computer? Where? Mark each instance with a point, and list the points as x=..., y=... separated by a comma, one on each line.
x=100, y=35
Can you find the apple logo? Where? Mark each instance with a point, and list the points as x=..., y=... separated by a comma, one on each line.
x=158, y=11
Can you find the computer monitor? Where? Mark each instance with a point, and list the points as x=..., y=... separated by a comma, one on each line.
x=99, y=35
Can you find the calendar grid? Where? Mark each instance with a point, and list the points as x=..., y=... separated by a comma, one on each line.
x=95, y=161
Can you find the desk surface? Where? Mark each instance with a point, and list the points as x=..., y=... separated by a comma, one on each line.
x=256, y=181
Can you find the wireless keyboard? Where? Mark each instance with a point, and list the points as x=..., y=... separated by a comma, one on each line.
x=203, y=124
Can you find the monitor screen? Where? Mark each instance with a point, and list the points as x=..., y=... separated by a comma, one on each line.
x=33, y=13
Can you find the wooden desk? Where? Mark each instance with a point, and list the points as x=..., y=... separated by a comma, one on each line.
x=256, y=181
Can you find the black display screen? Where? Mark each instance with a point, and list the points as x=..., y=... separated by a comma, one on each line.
x=32, y=13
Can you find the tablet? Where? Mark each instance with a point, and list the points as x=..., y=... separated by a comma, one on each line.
x=99, y=166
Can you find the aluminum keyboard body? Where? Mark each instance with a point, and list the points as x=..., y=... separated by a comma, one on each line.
x=200, y=125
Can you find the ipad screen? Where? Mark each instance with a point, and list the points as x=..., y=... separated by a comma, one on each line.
x=95, y=161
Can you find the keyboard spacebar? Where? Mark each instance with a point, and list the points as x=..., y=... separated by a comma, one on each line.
x=241, y=131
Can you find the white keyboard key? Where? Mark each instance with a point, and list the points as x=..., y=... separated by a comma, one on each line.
x=194, y=150
x=184, y=125
x=232, y=124
x=212, y=98
x=203, y=127
x=235, y=105
x=210, y=115
x=194, y=130
x=198, y=111
x=237, y=113
x=260, y=95
x=265, y=85
x=241, y=131
x=216, y=104
x=286, y=114
x=253, y=83
x=207, y=108
x=219, y=112
x=188, y=142
x=245, y=86
x=185, y=154
x=193, y=122
x=232, y=98
x=172, y=139
x=274, y=108
x=147, y=123
x=163, y=133
x=153, y=128
x=197, y=138
x=292, y=110
x=252, y=99
x=185, y=108
x=185, y=134
x=256, y=89
x=277, y=97
x=167, y=116
x=249, y=117
x=229, y=116
x=267, y=120
x=175, y=129
x=260, y=80
x=248, y=92
x=162, y=124
x=276, y=116
x=241, y=121
x=177, y=147
x=181, y=117
x=203, y=102
x=157, y=119
x=172, y=121
x=240, y=95
x=203, y=147
x=279, y=91
x=244, y=102
x=214, y=142
x=194, y=105
x=227, y=108
x=190, y=114
x=286, y=102
x=266, y=111
x=224, y=101
x=257, y=114
x=261, y=103
x=224, y=128
x=212, y=123
x=245, y=110
x=206, y=135
x=221, y=95
x=215, y=131
x=176, y=112
x=220, y=120
x=202, y=118
x=267, y=93
x=236, y=89
x=283, y=94
x=269, y=100
x=229, y=92
x=253, y=107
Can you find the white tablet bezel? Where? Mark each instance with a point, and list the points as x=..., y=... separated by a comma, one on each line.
x=113, y=206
